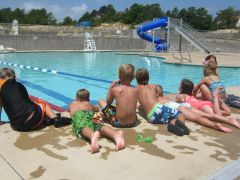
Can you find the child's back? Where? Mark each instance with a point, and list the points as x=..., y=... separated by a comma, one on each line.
x=125, y=97
x=214, y=83
x=77, y=106
x=88, y=124
x=147, y=97
x=155, y=111
x=81, y=103
x=126, y=101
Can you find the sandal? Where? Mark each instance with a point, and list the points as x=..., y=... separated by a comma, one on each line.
x=175, y=130
x=182, y=126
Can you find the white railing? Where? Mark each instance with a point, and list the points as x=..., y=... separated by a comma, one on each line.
x=196, y=38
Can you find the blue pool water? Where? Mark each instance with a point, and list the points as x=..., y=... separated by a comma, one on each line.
x=60, y=90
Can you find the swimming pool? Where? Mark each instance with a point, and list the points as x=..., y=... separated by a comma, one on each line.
x=103, y=66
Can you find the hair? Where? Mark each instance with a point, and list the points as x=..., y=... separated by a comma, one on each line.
x=186, y=87
x=142, y=76
x=210, y=69
x=126, y=72
x=210, y=57
x=83, y=95
x=7, y=73
x=159, y=91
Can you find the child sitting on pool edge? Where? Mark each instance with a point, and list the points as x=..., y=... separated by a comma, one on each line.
x=126, y=98
x=88, y=124
x=205, y=92
x=24, y=114
x=156, y=112
x=216, y=87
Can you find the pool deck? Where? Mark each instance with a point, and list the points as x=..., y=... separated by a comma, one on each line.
x=57, y=154
x=224, y=59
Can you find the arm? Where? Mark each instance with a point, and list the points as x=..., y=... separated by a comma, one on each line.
x=110, y=96
x=195, y=89
x=180, y=98
x=69, y=108
x=95, y=108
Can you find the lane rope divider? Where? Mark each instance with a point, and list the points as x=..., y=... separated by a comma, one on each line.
x=44, y=70
x=52, y=106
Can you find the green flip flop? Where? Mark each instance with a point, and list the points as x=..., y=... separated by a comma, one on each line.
x=147, y=139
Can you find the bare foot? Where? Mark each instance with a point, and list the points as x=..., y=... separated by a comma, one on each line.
x=119, y=140
x=220, y=127
x=94, y=142
x=234, y=122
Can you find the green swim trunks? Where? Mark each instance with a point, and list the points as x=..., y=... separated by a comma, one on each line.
x=82, y=119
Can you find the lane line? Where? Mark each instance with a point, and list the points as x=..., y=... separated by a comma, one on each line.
x=44, y=70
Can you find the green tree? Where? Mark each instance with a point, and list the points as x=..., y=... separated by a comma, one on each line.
x=85, y=17
x=68, y=21
x=197, y=18
x=39, y=16
x=19, y=15
x=139, y=13
x=6, y=15
x=51, y=19
x=174, y=13
x=227, y=18
x=107, y=13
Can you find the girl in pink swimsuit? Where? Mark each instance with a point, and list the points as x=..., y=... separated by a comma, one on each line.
x=186, y=96
x=198, y=104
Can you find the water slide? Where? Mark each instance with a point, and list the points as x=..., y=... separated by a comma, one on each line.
x=160, y=45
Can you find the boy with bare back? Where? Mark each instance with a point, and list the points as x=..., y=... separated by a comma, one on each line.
x=156, y=112
x=126, y=96
x=88, y=123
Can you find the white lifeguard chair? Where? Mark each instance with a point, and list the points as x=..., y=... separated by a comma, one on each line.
x=14, y=30
x=89, y=43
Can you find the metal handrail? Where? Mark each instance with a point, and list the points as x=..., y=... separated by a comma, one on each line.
x=183, y=58
x=186, y=26
x=191, y=33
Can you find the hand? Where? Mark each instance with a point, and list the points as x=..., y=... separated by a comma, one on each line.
x=115, y=83
x=97, y=118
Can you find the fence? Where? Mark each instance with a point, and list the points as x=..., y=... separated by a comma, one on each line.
x=38, y=37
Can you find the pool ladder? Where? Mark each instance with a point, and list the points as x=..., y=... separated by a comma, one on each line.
x=182, y=58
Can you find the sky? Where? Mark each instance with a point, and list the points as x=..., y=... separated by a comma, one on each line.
x=76, y=8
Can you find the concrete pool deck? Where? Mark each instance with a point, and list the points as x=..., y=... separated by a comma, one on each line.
x=56, y=154
x=224, y=59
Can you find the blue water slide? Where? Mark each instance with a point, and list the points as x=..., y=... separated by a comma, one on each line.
x=160, y=45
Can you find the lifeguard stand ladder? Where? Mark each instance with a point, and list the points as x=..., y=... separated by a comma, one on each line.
x=89, y=43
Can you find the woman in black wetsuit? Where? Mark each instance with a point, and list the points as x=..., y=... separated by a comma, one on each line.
x=24, y=114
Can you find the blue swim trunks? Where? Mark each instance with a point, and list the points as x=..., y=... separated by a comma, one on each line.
x=161, y=114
